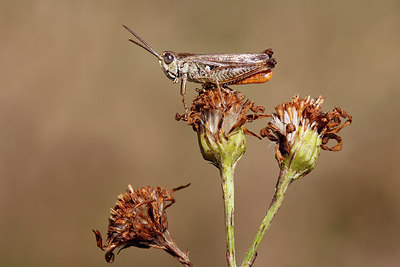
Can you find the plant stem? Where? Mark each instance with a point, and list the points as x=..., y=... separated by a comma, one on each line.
x=171, y=248
x=284, y=180
x=227, y=170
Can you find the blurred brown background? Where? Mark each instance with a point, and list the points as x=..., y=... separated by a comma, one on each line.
x=83, y=113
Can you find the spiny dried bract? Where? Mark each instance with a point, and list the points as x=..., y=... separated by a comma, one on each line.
x=300, y=124
x=138, y=219
x=220, y=115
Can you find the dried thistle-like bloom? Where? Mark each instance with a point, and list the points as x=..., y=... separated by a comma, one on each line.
x=300, y=129
x=139, y=220
x=218, y=118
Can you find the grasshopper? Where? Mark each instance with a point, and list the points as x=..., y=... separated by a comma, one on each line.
x=216, y=69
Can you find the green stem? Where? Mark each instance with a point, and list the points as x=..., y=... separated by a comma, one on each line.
x=284, y=180
x=227, y=170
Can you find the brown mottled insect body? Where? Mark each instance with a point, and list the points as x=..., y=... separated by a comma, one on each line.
x=228, y=69
x=217, y=69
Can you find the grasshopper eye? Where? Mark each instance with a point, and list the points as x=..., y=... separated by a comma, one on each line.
x=168, y=58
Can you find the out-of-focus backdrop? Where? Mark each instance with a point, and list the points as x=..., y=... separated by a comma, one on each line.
x=84, y=113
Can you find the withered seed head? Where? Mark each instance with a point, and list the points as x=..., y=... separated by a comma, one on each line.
x=299, y=127
x=218, y=118
x=138, y=219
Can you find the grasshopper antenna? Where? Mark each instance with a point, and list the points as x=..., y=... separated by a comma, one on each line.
x=144, y=45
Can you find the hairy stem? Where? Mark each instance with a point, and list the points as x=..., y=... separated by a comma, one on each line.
x=284, y=179
x=227, y=170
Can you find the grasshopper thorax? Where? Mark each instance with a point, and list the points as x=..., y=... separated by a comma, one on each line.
x=170, y=64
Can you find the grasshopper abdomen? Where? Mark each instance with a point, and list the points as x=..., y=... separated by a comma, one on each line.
x=261, y=77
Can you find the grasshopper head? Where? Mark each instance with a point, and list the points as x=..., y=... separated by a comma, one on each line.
x=169, y=64
x=168, y=60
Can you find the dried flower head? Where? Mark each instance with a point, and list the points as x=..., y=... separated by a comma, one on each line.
x=218, y=118
x=139, y=219
x=300, y=129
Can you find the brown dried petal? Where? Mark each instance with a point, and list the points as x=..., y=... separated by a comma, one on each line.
x=248, y=132
x=332, y=136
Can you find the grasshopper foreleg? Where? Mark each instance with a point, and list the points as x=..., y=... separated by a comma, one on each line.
x=183, y=91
